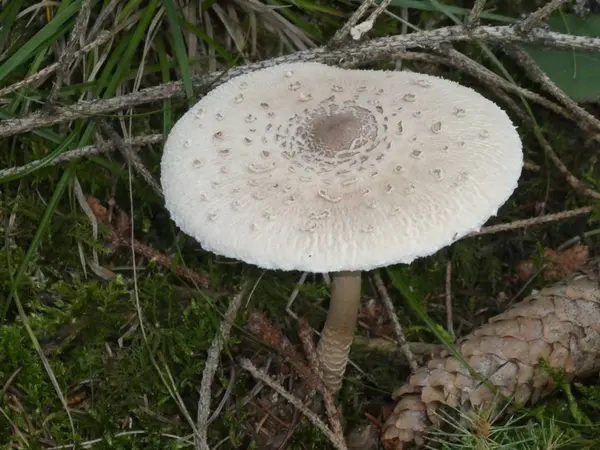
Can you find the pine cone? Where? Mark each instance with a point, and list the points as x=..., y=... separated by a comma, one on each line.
x=560, y=324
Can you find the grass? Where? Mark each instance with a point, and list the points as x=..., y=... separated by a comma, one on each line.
x=96, y=347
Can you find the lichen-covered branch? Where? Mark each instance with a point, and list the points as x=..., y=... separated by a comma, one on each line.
x=354, y=54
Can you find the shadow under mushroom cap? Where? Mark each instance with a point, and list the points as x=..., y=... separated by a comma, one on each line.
x=310, y=167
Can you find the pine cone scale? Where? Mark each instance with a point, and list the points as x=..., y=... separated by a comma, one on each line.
x=559, y=324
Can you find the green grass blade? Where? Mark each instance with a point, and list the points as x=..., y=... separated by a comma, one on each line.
x=418, y=309
x=8, y=16
x=131, y=45
x=40, y=38
x=211, y=42
x=165, y=72
x=40, y=352
x=42, y=132
x=43, y=161
x=39, y=233
x=427, y=6
x=179, y=48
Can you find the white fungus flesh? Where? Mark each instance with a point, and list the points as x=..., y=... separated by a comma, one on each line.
x=315, y=168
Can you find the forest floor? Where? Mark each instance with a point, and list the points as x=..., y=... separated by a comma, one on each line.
x=109, y=312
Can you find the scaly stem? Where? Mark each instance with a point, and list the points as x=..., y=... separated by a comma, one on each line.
x=338, y=332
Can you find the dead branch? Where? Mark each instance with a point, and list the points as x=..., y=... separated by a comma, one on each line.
x=118, y=239
x=305, y=333
x=475, y=14
x=547, y=218
x=422, y=351
x=68, y=56
x=161, y=259
x=132, y=157
x=90, y=150
x=391, y=312
x=211, y=364
x=311, y=416
x=47, y=71
x=352, y=21
x=537, y=74
x=540, y=15
x=353, y=54
x=260, y=326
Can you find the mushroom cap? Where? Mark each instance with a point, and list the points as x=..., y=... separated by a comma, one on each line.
x=309, y=167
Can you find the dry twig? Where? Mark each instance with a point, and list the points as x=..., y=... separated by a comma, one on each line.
x=389, y=306
x=539, y=15
x=475, y=14
x=305, y=333
x=482, y=73
x=354, y=54
x=352, y=21
x=90, y=150
x=68, y=55
x=311, y=416
x=421, y=350
x=131, y=156
x=547, y=218
x=260, y=326
x=534, y=71
x=211, y=364
x=575, y=182
x=161, y=259
x=118, y=239
x=47, y=71
x=449, y=315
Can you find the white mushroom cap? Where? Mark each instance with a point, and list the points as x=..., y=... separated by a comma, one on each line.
x=309, y=167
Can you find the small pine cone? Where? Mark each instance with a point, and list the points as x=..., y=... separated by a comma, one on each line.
x=560, y=324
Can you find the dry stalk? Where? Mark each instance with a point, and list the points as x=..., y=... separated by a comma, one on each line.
x=421, y=350
x=260, y=326
x=354, y=54
x=379, y=10
x=575, y=182
x=341, y=34
x=118, y=238
x=539, y=15
x=47, y=71
x=482, y=73
x=546, y=218
x=475, y=14
x=311, y=416
x=68, y=56
x=90, y=150
x=132, y=157
x=305, y=333
x=161, y=259
x=580, y=114
x=211, y=364
x=391, y=312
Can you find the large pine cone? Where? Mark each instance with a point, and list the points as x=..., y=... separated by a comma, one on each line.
x=560, y=324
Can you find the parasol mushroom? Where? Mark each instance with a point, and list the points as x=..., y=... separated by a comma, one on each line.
x=309, y=167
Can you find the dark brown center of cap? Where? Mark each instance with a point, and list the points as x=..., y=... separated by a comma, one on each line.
x=335, y=133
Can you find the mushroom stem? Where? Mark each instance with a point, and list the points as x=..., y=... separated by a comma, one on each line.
x=338, y=332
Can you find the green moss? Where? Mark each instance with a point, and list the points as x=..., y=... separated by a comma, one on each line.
x=88, y=326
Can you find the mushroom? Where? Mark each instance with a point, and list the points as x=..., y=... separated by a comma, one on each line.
x=315, y=168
